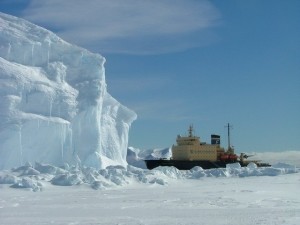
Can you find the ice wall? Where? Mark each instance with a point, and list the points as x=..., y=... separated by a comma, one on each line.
x=54, y=106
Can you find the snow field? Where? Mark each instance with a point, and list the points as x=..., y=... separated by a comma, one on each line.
x=207, y=200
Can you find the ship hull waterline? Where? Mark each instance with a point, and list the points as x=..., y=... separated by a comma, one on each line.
x=187, y=164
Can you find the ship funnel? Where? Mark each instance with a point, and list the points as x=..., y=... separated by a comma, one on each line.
x=215, y=139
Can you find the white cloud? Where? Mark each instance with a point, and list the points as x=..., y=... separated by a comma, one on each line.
x=140, y=26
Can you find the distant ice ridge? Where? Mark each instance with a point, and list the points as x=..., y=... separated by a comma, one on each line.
x=54, y=105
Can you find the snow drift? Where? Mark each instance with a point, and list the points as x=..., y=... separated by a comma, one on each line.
x=54, y=106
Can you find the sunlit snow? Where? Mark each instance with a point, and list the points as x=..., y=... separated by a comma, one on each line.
x=45, y=194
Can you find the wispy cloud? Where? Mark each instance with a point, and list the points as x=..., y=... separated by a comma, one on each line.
x=135, y=26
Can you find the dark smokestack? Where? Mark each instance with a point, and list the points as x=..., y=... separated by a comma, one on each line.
x=215, y=139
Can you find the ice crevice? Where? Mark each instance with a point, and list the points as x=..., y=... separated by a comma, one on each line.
x=54, y=104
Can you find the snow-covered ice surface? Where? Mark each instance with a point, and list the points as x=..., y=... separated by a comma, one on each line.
x=45, y=194
x=234, y=200
x=54, y=105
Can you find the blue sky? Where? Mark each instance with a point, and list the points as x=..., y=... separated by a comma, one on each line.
x=196, y=62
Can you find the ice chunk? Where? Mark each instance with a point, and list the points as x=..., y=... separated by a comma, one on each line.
x=29, y=183
x=197, y=172
x=66, y=180
x=49, y=169
x=8, y=179
x=233, y=166
x=171, y=171
x=133, y=159
x=252, y=165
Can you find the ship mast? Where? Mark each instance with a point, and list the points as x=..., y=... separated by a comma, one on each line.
x=228, y=126
x=191, y=131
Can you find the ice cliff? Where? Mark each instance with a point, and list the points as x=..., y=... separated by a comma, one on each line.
x=54, y=105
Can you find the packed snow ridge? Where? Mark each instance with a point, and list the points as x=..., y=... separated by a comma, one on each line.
x=54, y=105
x=37, y=177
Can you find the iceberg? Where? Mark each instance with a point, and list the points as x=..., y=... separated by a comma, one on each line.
x=54, y=104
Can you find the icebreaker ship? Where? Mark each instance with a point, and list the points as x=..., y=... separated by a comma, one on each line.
x=54, y=106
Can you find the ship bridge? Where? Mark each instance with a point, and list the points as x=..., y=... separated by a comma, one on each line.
x=189, y=140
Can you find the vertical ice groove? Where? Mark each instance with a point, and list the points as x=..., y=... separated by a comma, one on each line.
x=32, y=54
x=62, y=140
x=20, y=145
x=70, y=132
x=59, y=110
x=21, y=89
x=50, y=106
x=48, y=45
